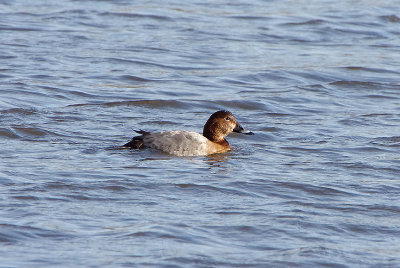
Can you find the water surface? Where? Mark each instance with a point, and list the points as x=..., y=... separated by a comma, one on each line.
x=317, y=186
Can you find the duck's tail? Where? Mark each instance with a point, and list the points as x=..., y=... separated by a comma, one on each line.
x=137, y=142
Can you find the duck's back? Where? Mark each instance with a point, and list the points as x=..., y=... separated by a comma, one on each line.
x=179, y=142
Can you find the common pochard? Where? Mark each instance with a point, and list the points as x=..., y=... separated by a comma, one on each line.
x=189, y=143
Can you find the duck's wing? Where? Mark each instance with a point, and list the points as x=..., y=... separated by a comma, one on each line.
x=180, y=143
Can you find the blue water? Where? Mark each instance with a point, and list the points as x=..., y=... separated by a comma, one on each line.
x=318, y=82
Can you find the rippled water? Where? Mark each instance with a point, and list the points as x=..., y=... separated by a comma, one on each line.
x=317, y=81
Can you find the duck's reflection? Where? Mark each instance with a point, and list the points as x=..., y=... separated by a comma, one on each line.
x=218, y=160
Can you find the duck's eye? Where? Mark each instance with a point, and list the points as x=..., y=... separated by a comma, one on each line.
x=227, y=118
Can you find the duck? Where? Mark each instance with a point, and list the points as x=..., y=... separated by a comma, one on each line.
x=190, y=143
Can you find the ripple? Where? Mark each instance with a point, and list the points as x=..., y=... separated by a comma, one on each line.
x=4, y=132
x=11, y=233
x=387, y=141
x=370, y=70
x=242, y=104
x=370, y=230
x=32, y=131
x=361, y=84
x=139, y=103
x=391, y=18
x=134, y=78
x=316, y=190
x=306, y=22
x=232, y=191
x=136, y=16
x=20, y=111
x=149, y=103
x=20, y=29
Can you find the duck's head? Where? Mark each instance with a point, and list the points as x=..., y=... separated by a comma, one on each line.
x=220, y=124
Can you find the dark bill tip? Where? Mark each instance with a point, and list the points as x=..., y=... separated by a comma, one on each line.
x=239, y=129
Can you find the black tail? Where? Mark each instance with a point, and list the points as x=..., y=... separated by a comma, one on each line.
x=137, y=142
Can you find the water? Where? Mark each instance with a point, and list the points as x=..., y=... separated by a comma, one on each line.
x=317, y=81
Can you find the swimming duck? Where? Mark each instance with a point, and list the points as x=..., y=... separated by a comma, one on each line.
x=189, y=143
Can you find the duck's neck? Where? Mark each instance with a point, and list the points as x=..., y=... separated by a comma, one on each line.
x=214, y=137
x=223, y=142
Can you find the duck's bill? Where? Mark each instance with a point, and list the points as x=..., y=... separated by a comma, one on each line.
x=239, y=129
